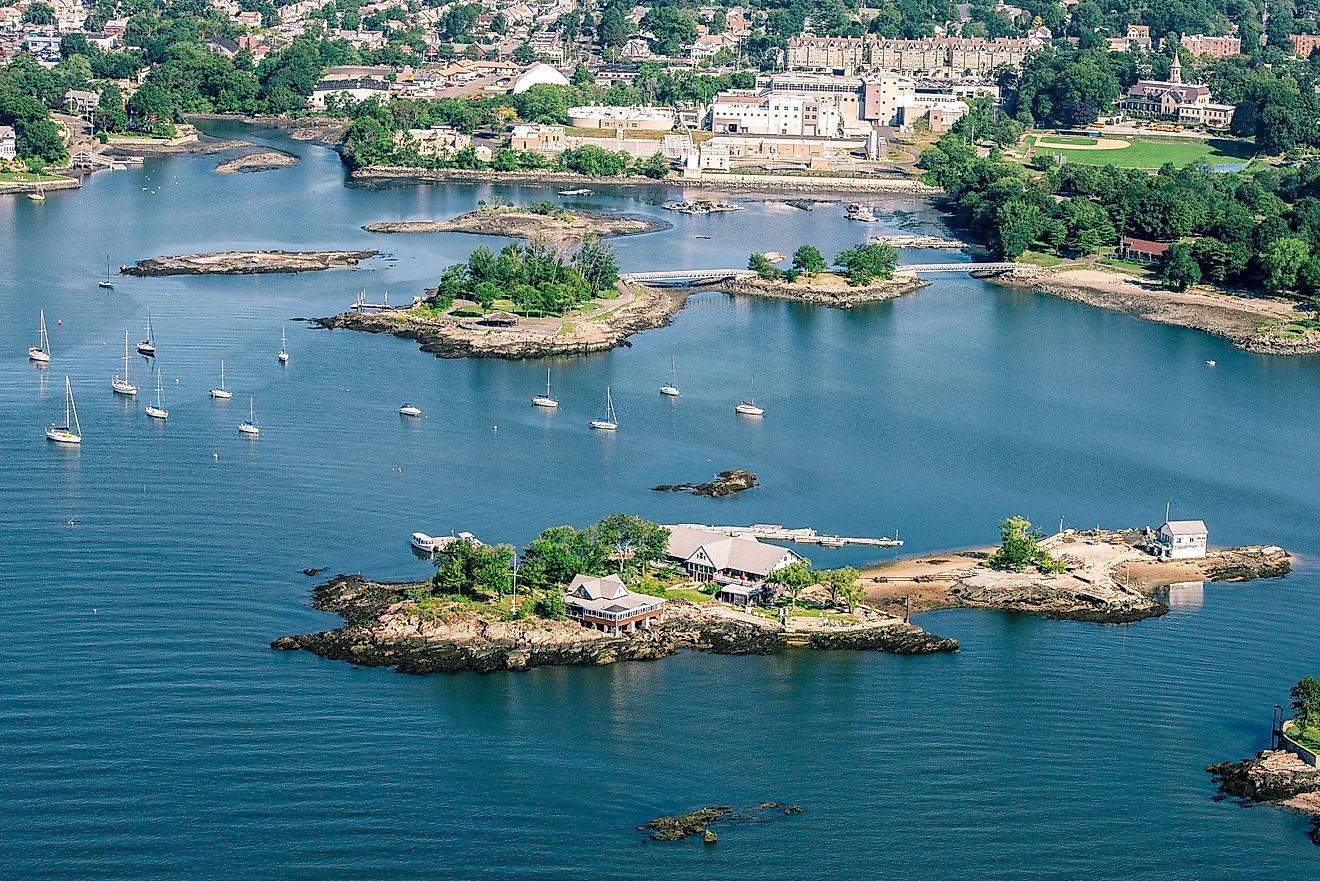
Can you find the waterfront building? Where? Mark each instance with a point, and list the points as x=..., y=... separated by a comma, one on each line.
x=606, y=604
x=656, y=119
x=8, y=143
x=1141, y=250
x=1180, y=540
x=736, y=559
x=1203, y=46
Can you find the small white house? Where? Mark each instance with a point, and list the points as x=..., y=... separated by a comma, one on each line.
x=1181, y=540
x=8, y=143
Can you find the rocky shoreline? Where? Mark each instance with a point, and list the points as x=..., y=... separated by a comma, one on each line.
x=1246, y=322
x=1275, y=777
x=383, y=628
x=403, y=176
x=247, y=263
x=527, y=224
x=445, y=338
x=825, y=290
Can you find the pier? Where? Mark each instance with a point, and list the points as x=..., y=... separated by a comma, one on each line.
x=803, y=535
x=361, y=304
x=681, y=277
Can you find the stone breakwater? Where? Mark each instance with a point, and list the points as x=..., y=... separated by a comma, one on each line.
x=825, y=290
x=1274, y=777
x=383, y=628
x=247, y=262
x=446, y=338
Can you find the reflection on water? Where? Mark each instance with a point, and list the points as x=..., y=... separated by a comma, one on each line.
x=1186, y=595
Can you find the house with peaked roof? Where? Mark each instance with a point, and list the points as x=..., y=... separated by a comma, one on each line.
x=727, y=559
x=606, y=604
x=1180, y=540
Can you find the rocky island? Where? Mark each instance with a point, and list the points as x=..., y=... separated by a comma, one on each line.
x=261, y=160
x=826, y=289
x=726, y=483
x=546, y=220
x=247, y=263
x=384, y=627
x=1099, y=576
x=698, y=822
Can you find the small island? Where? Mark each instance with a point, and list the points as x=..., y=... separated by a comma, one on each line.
x=726, y=483
x=247, y=263
x=576, y=599
x=541, y=219
x=1289, y=774
x=261, y=160
x=865, y=274
x=1103, y=576
x=699, y=822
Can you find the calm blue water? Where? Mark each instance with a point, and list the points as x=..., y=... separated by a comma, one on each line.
x=147, y=732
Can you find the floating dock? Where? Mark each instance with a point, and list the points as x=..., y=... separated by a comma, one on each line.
x=804, y=535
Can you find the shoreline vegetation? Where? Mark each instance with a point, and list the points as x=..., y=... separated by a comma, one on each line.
x=543, y=219
x=247, y=263
x=1100, y=576
x=1259, y=324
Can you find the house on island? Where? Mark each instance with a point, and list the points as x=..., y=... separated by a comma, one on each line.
x=740, y=564
x=606, y=604
x=1141, y=250
x=1180, y=540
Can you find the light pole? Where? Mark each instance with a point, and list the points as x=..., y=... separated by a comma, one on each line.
x=515, y=582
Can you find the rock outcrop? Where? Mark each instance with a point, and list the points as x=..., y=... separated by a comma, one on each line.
x=825, y=290
x=726, y=483
x=247, y=262
x=898, y=639
x=527, y=224
x=698, y=822
x=264, y=160
x=1274, y=777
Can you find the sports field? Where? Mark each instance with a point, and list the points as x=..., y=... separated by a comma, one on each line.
x=1142, y=152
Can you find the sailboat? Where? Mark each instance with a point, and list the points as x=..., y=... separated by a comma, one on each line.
x=222, y=393
x=158, y=411
x=250, y=425
x=284, y=342
x=70, y=432
x=611, y=421
x=148, y=346
x=106, y=282
x=546, y=400
x=672, y=388
x=121, y=384
x=748, y=407
x=40, y=353
x=40, y=194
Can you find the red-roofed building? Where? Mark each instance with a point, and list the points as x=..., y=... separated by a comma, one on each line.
x=1141, y=250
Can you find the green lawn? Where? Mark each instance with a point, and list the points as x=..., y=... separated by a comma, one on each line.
x=1063, y=139
x=1310, y=738
x=8, y=177
x=1036, y=258
x=687, y=593
x=1148, y=153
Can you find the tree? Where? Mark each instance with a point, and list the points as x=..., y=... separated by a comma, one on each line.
x=761, y=265
x=793, y=578
x=866, y=263
x=1306, y=701
x=1017, y=225
x=550, y=604
x=615, y=28
x=844, y=584
x=1280, y=262
x=1020, y=548
x=671, y=28
x=466, y=567
x=39, y=13
x=524, y=54
x=808, y=259
x=1179, y=270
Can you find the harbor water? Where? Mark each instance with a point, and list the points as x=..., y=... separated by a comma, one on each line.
x=148, y=732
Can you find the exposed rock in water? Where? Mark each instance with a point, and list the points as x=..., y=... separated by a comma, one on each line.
x=525, y=224
x=709, y=836
x=1274, y=777
x=899, y=639
x=309, y=572
x=247, y=262
x=1247, y=563
x=265, y=160
x=726, y=483
x=683, y=825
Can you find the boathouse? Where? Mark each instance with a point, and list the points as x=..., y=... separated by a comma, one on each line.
x=606, y=604
x=727, y=559
x=1180, y=540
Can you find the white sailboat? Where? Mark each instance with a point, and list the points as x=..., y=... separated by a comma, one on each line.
x=672, y=388
x=546, y=400
x=158, y=411
x=410, y=409
x=611, y=421
x=283, y=356
x=148, y=346
x=122, y=384
x=748, y=407
x=40, y=353
x=249, y=426
x=106, y=282
x=70, y=432
x=222, y=393
x=40, y=194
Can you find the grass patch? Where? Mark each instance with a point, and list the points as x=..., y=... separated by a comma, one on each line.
x=1038, y=258
x=1065, y=139
x=1127, y=267
x=8, y=177
x=687, y=593
x=1308, y=737
x=1150, y=153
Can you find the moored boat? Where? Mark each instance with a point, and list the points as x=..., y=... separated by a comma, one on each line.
x=123, y=385
x=610, y=421
x=40, y=353
x=70, y=432
x=221, y=393
x=546, y=400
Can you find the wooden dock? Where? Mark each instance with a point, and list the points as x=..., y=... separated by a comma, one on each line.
x=804, y=535
x=361, y=304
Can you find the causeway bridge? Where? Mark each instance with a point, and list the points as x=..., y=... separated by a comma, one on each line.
x=681, y=277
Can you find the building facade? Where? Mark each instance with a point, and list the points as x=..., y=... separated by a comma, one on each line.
x=1181, y=540
x=936, y=57
x=606, y=604
x=1212, y=47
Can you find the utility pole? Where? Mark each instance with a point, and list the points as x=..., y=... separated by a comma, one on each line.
x=515, y=581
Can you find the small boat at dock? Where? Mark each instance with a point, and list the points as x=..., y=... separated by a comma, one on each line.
x=40, y=353
x=70, y=432
x=578, y=192
x=700, y=206
x=40, y=194
x=773, y=256
x=427, y=545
